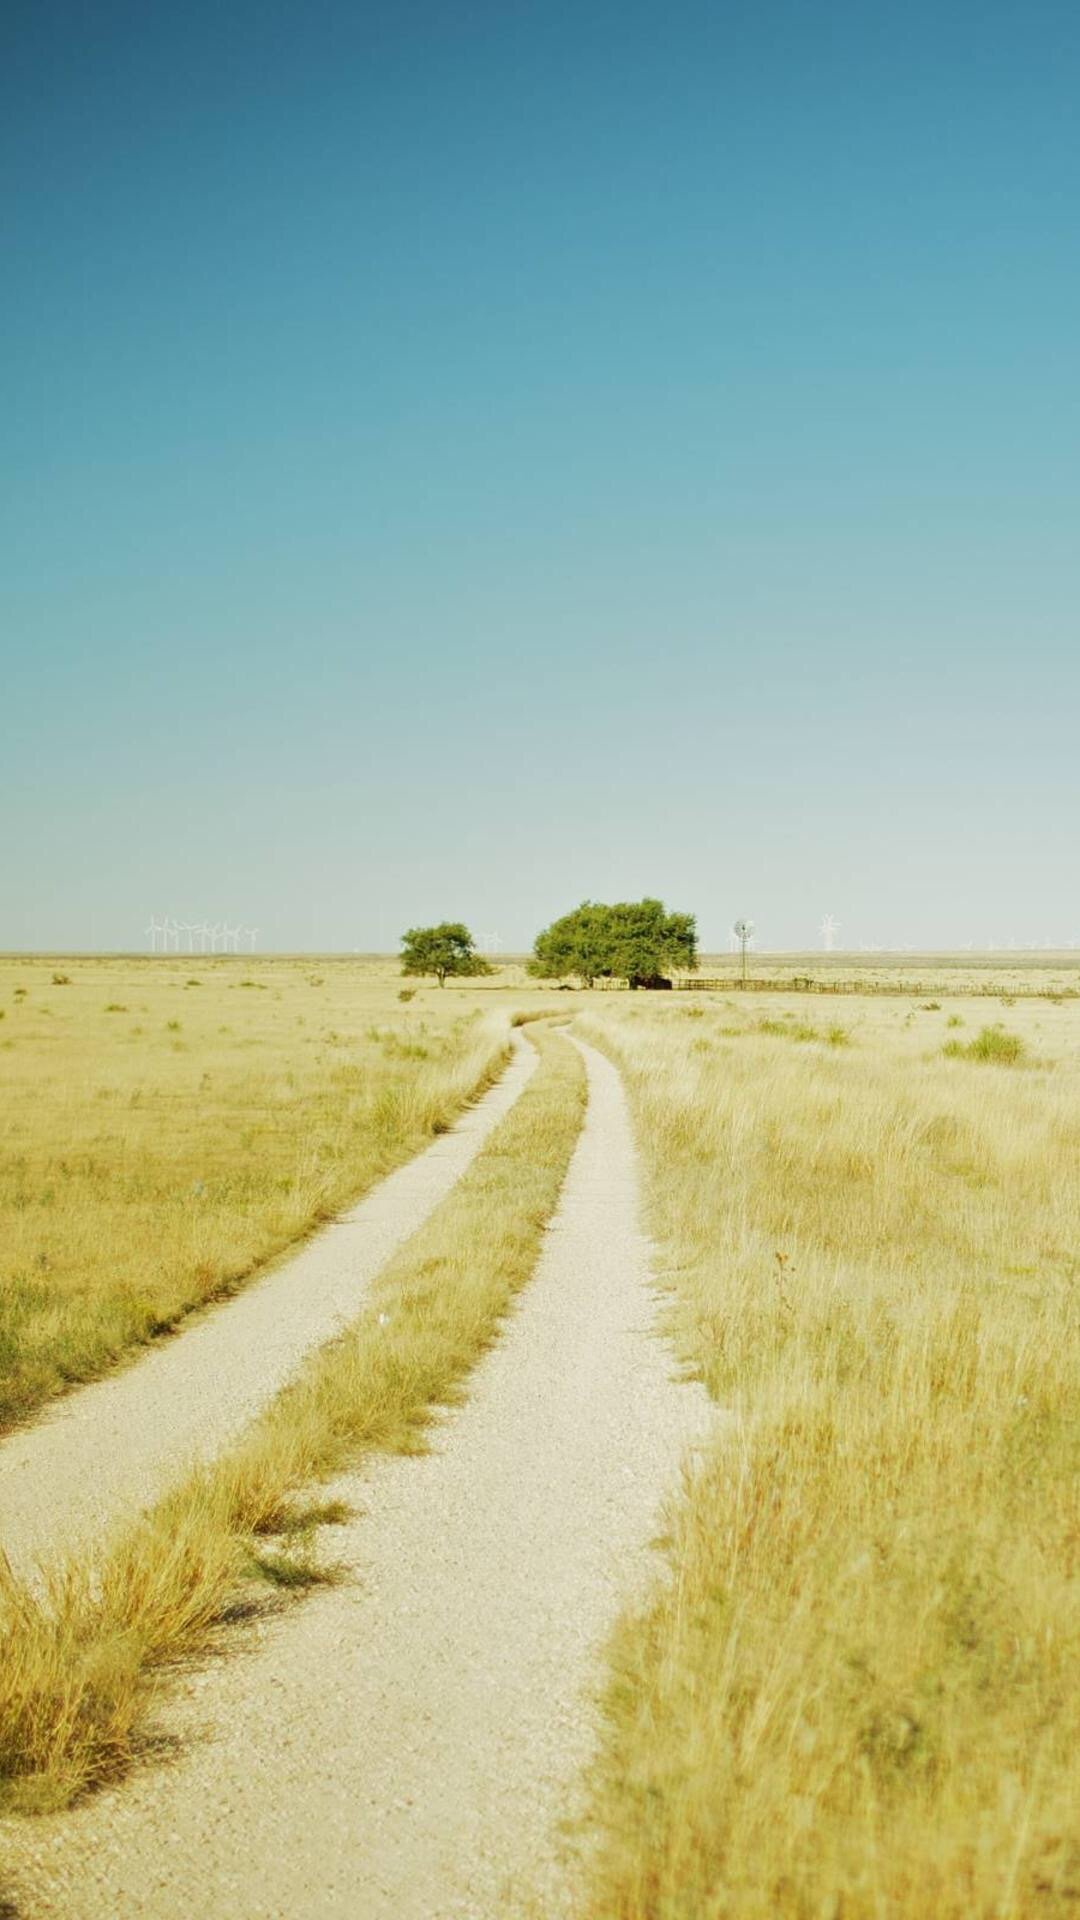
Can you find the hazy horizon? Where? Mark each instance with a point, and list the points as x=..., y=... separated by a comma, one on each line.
x=462, y=461
x=1018, y=957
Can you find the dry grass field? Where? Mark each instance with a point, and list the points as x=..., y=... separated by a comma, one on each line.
x=168, y=1125
x=1020, y=974
x=857, y=1694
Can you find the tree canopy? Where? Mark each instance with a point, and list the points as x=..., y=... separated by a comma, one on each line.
x=447, y=951
x=635, y=940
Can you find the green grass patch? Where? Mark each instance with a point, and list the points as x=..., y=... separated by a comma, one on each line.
x=992, y=1044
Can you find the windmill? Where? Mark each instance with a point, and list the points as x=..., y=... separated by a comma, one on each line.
x=156, y=930
x=743, y=931
x=828, y=930
x=232, y=939
x=170, y=935
x=492, y=943
x=251, y=932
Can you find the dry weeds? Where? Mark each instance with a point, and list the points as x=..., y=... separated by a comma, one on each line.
x=856, y=1696
x=169, y=1125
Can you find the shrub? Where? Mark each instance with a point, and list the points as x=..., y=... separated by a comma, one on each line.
x=991, y=1043
x=788, y=1029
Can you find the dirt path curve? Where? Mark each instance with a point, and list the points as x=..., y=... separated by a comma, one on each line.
x=404, y=1746
x=102, y=1455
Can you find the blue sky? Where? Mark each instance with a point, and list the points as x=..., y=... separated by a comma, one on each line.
x=464, y=458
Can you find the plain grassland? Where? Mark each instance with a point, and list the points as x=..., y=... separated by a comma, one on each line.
x=168, y=1125
x=855, y=1695
x=1036, y=975
x=80, y=1660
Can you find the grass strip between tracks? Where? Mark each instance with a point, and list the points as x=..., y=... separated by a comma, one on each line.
x=82, y=1658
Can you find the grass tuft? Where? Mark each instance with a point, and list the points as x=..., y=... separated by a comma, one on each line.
x=992, y=1044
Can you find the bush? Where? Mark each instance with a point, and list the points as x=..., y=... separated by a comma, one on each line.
x=991, y=1043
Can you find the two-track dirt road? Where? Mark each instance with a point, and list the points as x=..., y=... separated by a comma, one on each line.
x=407, y=1744
x=99, y=1457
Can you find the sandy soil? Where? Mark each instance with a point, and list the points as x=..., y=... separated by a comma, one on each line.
x=100, y=1456
x=405, y=1746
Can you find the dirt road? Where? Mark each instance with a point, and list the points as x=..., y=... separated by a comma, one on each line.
x=99, y=1457
x=404, y=1746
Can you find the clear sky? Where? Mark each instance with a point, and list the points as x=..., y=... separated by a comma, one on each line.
x=466, y=456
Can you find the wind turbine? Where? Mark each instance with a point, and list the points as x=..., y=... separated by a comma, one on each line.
x=828, y=930
x=492, y=943
x=170, y=934
x=232, y=939
x=251, y=932
x=154, y=929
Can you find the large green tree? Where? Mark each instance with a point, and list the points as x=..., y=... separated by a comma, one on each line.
x=634, y=940
x=448, y=951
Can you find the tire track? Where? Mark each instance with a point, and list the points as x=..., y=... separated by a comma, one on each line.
x=407, y=1745
x=95, y=1460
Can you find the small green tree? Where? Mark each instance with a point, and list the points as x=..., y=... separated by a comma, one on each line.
x=447, y=951
x=636, y=940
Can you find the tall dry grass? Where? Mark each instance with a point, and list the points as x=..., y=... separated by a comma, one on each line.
x=167, y=1126
x=857, y=1694
x=80, y=1658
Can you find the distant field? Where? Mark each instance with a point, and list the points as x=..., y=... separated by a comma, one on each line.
x=1020, y=974
x=167, y=1125
x=857, y=1696
x=1042, y=974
